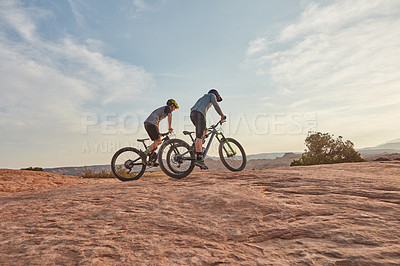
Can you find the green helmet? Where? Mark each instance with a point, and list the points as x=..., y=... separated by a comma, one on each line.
x=172, y=102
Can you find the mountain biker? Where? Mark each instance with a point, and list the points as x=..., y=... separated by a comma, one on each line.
x=151, y=124
x=198, y=117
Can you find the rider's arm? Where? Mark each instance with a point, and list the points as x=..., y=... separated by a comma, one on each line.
x=216, y=106
x=170, y=122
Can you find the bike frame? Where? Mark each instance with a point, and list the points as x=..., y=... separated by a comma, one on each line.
x=165, y=135
x=214, y=133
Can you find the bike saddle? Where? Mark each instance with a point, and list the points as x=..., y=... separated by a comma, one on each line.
x=142, y=140
x=187, y=132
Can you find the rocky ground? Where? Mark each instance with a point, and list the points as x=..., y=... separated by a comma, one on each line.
x=344, y=214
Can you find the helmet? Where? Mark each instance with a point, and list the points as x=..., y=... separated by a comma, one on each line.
x=172, y=102
x=215, y=92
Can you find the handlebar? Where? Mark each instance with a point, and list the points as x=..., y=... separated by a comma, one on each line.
x=220, y=122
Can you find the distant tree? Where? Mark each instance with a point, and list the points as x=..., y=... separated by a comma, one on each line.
x=322, y=148
x=33, y=169
x=382, y=159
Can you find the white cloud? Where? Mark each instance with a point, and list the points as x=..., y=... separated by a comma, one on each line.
x=112, y=80
x=256, y=46
x=134, y=9
x=43, y=79
x=338, y=16
x=284, y=92
x=46, y=87
x=353, y=60
x=141, y=5
x=340, y=60
x=16, y=17
x=35, y=95
x=75, y=8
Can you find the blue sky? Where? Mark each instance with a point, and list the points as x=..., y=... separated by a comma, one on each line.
x=78, y=77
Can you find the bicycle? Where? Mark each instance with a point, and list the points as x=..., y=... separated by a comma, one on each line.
x=130, y=163
x=180, y=157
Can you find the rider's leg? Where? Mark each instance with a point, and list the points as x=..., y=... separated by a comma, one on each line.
x=154, y=135
x=199, y=145
x=199, y=122
x=155, y=144
x=199, y=152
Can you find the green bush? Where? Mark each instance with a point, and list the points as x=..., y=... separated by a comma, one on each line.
x=88, y=173
x=322, y=148
x=33, y=169
x=382, y=159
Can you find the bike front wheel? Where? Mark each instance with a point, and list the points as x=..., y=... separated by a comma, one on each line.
x=127, y=164
x=176, y=158
x=232, y=154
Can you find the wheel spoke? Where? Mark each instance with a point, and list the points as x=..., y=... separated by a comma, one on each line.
x=175, y=161
x=175, y=158
x=232, y=154
x=127, y=164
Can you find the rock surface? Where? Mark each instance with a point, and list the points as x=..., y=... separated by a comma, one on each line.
x=344, y=214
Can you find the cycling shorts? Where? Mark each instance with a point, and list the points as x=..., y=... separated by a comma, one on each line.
x=199, y=122
x=152, y=130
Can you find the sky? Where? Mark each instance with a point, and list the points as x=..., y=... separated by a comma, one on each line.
x=79, y=77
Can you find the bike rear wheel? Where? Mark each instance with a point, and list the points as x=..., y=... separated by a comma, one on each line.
x=176, y=158
x=128, y=164
x=232, y=154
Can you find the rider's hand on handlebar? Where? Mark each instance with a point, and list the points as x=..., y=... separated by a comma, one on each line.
x=170, y=130
x=223, y=118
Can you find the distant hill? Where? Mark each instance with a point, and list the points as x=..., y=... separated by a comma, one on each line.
x=391, y=145
x=254, y=161
x=390, y=150
x=282, y=161
x=268, y=155
x=77, y=170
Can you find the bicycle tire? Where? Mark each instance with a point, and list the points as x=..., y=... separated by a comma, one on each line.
x=168, y=159
x=224, y=160
x=119, y=170
x=166, y=166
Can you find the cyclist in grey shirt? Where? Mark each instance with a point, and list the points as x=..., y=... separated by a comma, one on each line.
x=151, y=124
x=198, y=116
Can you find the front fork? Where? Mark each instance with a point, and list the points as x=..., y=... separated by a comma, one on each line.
x=220, y=134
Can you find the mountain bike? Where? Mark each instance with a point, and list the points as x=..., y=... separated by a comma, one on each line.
x=177, y=158
x=130, y=163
